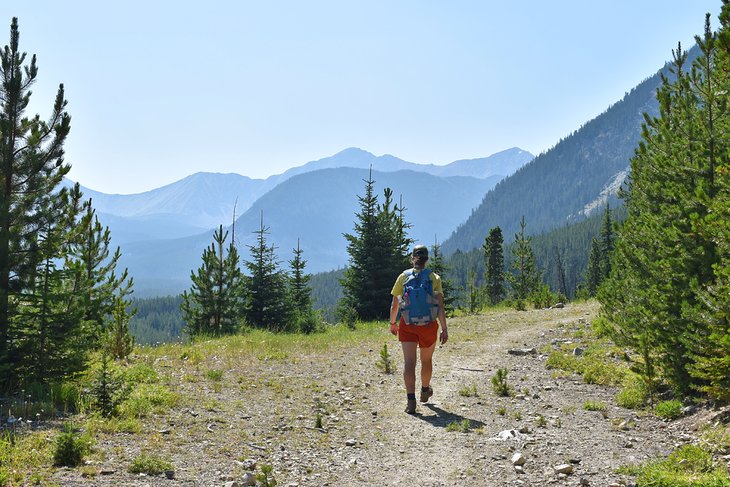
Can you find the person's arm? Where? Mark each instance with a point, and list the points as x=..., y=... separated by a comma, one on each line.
x=394, y=315
x=442, y=320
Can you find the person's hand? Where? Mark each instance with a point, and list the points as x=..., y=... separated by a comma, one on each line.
x=394, y=328
x=444, y=336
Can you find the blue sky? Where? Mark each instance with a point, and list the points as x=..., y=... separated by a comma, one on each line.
x=159, y=90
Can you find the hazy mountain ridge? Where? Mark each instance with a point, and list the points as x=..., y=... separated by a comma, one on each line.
x=204, y=200
x=316, y=208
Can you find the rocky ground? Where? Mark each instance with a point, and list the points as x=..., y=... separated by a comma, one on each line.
x=263, y=412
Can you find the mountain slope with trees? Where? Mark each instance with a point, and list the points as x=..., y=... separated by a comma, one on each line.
x=556, y=186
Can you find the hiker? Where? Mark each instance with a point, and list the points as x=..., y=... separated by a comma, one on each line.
x=418, y=300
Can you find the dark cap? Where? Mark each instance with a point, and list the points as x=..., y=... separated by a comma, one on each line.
x=420, y=251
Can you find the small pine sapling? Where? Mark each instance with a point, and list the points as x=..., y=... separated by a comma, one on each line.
x=499, y=383
x=385, y=361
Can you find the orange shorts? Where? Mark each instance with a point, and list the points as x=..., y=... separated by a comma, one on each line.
x=424, y=335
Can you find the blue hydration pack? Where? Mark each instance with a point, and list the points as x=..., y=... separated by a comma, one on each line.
x=418, y=305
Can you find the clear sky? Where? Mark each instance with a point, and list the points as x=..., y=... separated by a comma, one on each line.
x=159, y=90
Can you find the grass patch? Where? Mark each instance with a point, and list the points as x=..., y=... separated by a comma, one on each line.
x=468, y=391
x=216, y=375
x=634, y=394
x=150, y=464
x=688, y=466
x=668, y=410
x=594, y=406
x=26, y=459
x=148, y=399
x=463, y=426
x=140, y=374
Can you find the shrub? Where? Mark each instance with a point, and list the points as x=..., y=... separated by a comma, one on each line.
x=668, y=409
x=70, y=448
x=150, y=464
x=266, y=478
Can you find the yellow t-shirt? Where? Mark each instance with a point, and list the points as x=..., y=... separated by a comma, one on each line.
x=398, y=286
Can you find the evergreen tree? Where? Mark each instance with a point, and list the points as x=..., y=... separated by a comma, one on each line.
x=594, y=271
x=438, y=265
x=301, y=292
x=268, y=304
x=378, y=251
x=494, y=265
x=96, y=282
x=525, y=278
x=667, y=254
x=214, y=303
x=31, y=169
x=560, y=271
x=607, y=242
x=306, y=320
x=119, y=342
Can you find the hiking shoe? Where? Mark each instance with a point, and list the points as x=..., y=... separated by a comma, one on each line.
x=411, y=406
x=426, y=394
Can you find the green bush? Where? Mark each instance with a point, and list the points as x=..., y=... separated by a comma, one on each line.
x=70, y=448
x=150, y=464
x=668, y=409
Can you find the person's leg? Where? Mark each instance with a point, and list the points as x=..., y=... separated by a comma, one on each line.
x=409, y=366
x=427, y=365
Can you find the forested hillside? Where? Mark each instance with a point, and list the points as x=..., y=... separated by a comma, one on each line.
x=556, y=186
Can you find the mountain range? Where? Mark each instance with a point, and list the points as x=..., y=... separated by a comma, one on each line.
x=163, y=232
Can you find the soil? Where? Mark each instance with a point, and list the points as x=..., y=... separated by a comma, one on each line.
x=265, y=411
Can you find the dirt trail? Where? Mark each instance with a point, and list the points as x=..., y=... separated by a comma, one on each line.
x=266, y=412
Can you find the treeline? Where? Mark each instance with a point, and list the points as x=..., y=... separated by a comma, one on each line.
x=157, y=320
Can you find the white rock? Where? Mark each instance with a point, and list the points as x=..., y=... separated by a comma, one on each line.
x=248, y=479
x=351, y=442
x=518, y=459
x=564, y=468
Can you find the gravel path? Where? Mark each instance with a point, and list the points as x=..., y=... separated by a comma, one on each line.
x=265, y=413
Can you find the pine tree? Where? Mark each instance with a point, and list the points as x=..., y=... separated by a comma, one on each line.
x=607, y=243
x=119, y=342
x=96, y=283
x=301, y=292
x=268, y=304
x=560, y=271
x=667, y=255
x=494, y=265
x=594, y=271
x=214, y=304
x=306, y=320
x=31, y=169
x=378, y=251
x=525, y=278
